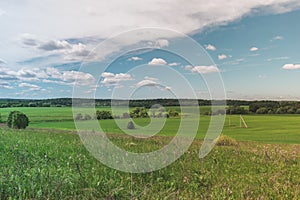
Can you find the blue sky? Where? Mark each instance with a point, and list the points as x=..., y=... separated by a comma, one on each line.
x=253, y=46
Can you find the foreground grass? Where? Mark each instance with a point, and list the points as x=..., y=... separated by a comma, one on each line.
x=55, y=165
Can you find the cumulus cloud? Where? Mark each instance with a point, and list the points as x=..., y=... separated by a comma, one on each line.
x=23, y=74
x=291, y=66
x=157, y=61
x=69, y=77
x=48, y=75
x=31, y=87
x=135, y=58
x=111, y=79
x=152, y=82
x=253, y=49
x=70, y=51
x=162, y=43
x=222, y=56
x=202, y=69
x=210, y=47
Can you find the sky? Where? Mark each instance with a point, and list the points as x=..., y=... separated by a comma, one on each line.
x=150, y=49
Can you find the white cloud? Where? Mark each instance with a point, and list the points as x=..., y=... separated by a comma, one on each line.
x=152, y=82
x=157, y=61
x=202, y=69
x=76, y=51
x=253, y=49
x=210, y=47
x=222, y=57
x=278, y=58
x=162, y=43
x=111, y=79
x=174, y=64
x=5, y=85
x=78, y=77
x=101, y=19
x=135, y=58
x=291, y=66
x=149, y=83
x=278, y=37
x=69, y=77
x=31, y=87
x=84, y=16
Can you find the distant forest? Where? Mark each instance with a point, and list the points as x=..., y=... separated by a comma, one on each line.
x=234, y=106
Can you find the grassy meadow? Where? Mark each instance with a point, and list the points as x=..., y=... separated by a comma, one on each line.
x=262, y=128
x=48, y=161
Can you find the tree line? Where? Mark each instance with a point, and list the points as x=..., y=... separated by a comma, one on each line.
x=139, y=112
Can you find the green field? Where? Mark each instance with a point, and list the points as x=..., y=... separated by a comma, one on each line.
x=262, y=128
x=49, y=165
x=48, y=160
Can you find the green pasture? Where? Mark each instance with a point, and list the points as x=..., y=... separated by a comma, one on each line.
x=262, y=128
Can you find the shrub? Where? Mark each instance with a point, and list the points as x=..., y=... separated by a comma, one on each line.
x=224, y=140
x=17, y=120
x=130, y=125
x=173, y=113
x=102, y=114
x=139, y=113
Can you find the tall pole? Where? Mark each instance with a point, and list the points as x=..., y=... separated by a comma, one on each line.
x=240, y=121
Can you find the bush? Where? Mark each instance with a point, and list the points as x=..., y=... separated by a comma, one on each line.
x=102, y=114
x=173, y=113
x=139, y=113
x=224, y=140
x=130, y=125
x=17, y=120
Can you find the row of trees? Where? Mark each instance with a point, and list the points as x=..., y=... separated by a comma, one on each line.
x=275, y=107
x=140, y=112
x=147, y=103
x=263, y=108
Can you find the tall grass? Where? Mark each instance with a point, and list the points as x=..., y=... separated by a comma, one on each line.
x=48, y=165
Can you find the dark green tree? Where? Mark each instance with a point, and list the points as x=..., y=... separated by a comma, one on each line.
x=17, y=120
x=103, y=114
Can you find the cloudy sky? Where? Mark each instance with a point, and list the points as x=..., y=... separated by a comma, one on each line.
x=253, y=45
